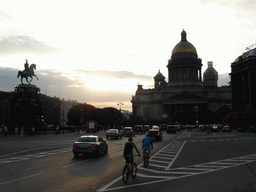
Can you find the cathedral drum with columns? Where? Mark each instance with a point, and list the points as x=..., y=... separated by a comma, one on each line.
x=185, y=91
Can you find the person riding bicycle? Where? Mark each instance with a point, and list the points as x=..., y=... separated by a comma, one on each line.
x=146, y=143
x=128, y=151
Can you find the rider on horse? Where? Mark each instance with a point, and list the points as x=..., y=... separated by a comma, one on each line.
x=28, y=72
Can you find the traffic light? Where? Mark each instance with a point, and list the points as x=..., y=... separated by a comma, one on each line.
x=196, y=122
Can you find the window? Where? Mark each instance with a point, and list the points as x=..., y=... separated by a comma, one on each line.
x=87, y=139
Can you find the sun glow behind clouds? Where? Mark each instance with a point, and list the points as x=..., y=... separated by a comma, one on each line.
x=101, y=83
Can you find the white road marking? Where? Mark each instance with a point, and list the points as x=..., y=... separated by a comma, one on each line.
x=168, y=167
x=202, y=168
x=19, y=152
x=155, y=165
x=31, y=156
x=7, y=182
x=76, y=163
x=162, y=158
x=152, y=160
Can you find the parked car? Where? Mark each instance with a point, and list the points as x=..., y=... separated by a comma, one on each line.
x=252, y=129
x=114, y=133
x=215, y=128
x=156, y=135
x=226, y=129
x=139, y=129
x=163, y=127
x=146, y=127
x=242, y=129
x=128, y=131
x=171, y=129
x=90, y=145
x=177, y=128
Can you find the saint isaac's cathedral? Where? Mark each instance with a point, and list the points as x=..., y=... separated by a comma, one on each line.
x=186, y=88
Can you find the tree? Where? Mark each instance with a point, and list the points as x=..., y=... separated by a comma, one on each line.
x=221, y=113
x=110, y=116
x=82, y=112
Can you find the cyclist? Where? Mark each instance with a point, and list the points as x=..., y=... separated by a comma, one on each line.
x=128, y=152
x=146, y=143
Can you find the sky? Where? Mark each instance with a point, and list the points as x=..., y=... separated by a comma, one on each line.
x=97, y=52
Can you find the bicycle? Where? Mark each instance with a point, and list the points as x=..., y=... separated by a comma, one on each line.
x=127, y=170
x=146, y=160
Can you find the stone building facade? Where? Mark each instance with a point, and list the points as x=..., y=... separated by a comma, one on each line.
x=243, y=82
x=186, y=88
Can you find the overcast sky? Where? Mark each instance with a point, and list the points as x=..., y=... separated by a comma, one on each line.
x=97, y=52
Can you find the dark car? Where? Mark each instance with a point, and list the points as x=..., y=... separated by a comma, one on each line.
x=146, y=127
x=242, y=129
x=128, y=131
x=177, y=128
x=171, y=129
x=155, y=135
x=252, y=129
x=226, y=129
x=163, y=127
x=139, y=129
x=114, y=133
x=90, y=145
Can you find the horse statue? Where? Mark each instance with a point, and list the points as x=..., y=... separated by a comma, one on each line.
x=28, y=72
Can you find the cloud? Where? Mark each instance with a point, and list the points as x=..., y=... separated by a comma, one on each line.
x=3, y=15
x=55, y=83
x=224, y=79
x=118, y=74
x=248, y=4
x=24, y=45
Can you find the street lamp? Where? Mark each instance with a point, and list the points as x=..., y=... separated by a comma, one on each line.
x=120, y=103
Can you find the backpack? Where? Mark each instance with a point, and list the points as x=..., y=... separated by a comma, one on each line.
x=128, y=148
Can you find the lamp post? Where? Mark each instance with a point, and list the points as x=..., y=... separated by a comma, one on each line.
x=120, y=103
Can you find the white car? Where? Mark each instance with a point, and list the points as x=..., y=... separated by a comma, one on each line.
x=155, y=128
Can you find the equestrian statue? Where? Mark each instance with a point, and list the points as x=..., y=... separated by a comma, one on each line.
x=28, y=72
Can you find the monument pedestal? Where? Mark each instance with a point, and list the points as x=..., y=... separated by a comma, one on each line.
x=26, y=107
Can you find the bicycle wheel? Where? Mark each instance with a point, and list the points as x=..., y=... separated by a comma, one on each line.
x=146, y=162
x=134, y=170
x=126, y=173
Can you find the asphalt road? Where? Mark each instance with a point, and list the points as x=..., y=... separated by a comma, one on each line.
x=181, y=162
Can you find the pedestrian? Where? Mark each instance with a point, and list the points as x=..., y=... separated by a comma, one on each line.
x=16, y=130
x=57, y=129
x=105, y=127
x=33, y=130
x=208, y=130
x=22, y=131
x=5, y=130
x=29, y=131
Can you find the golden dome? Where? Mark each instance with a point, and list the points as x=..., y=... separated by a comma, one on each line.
x=184, y=46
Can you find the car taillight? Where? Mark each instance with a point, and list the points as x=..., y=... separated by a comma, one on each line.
x=75, y=145
x=93, y=146
x=158, y=135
